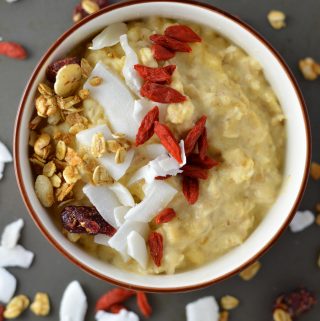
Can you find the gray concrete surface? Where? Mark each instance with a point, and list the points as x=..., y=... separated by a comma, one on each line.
x=290, y=263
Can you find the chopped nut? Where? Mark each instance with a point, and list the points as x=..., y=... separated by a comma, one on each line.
x=71, y=174
x=35, y=161
x=45, y=90
x=277, y=19
x=73, y=237
x=33, y=136
x=112, y=146
x=55, y=181
x=84, y=94
x=315, y=171
x=309, y=68
x=49, y=169
x=41, y=304
x=281, y=315
x=46, y=106
x=76, y=118
x=16, y=306
x=68, y=80
x=86, y=68
x=54, y=119
x=98, y=145
x=42, y=146
x=60, y=164
x=251, y=271
x=76, y=128
x=61, y=150
x=95, y=81
x=90, y=6
x=72, y=157
x=229, y=302
x=101, y=176
x=35, y=122
x=63, y=191
x=69, y=102
x=120, y=155
x=44, y=190
x=224, y=316
x=125, y=143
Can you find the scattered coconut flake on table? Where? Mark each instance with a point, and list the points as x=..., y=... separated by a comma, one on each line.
x=205, y=309
x=116, y=99
x=104, y=200
x=119, y=214
x=123, y=194
x=158, y=196
x=110, y=36
x=137, y=248
x=17, y=256
x=133, y=80
x=11, y=234
x=11, y=1
x=123, y=315
x=5, y=157
x=74, y=304
x=301, y=221
x=8, y=285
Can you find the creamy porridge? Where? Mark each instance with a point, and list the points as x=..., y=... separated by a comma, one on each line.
x=157, y=147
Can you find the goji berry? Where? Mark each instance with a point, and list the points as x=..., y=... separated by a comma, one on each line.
x=162, y=178
x=165, y=216
x=161, y=93
x=194, y=171
x=12, y=50
x=144, y=304
x=190, y=189
x=53, y=68
x=161, y=53
x=146, y=129
x=155, y=242
x=168, y=141
x=194, y=134
x=203, y=144
x=116, y=308
x=115, y=296
x=170, y=43
x=160, y=75
x=2, y=308
x=206, y=162
x=182, y=33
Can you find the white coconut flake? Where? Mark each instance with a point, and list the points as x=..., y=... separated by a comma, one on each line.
x=5, y=155
x=205, y=309
x=301, y=221
x=17, y=256
x=116, y=99
x=101, y=239
x=123, y=194
x=11, y=234
x=152, y=151
x=133, y=80
x=8, y=284
x=158, y=196
x=119, y=214
x=1, y=169
x=123, y=315
x=104, y=200
x=119, y=240
x=110, y=36
x=85, y=136
x=73, y=306
x=137, y=248
x=11, y=1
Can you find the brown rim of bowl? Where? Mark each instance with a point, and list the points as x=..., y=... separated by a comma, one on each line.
x=88, y=269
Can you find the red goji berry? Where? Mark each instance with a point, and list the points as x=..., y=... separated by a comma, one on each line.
x=160, y=75
x=115, y=296
x=203, y=144
x=165, y=216
x=1, y=312
x=161, y=93
x=162, y=178
x=161, y=53
x=190, y=189
x=170, y=43
x=194, y=134
x=182, y=33
x=12, y=50
x=155, y=242
x=146, y=129
x=116, y=308
x=206, y=162
x=144, y=304
x=194, y=171
x=168, y=141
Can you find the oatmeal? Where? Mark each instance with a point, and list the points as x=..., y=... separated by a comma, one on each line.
x=159, y=147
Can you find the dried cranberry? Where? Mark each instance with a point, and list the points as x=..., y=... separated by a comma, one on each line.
x=53, y=68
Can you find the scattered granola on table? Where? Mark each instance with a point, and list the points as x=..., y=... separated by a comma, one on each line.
x=309, y=68
x=277, y=19
x=251, y=271
x=87, y=7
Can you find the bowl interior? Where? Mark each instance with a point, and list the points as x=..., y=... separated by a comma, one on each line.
x=297, y=149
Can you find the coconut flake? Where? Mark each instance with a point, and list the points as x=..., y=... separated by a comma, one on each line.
x=114, y=96
x=104, y=200
x=158, y=196
x=123, y=194
x=301, y=221
x=205, y=309
x=137, y=248
x=119, y=214
x=17, y=256
x=109, y=37
x=101, y=239
x=1, y=170
x=119, y=240
x=133, y=80
x=123, y=315
x=5, y=155
x=152, y=151
x=8, y=284
x=115, y=170
x=73, y=306
x=11, y=234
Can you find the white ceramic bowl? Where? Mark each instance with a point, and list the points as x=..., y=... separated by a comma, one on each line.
x=297, y=150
